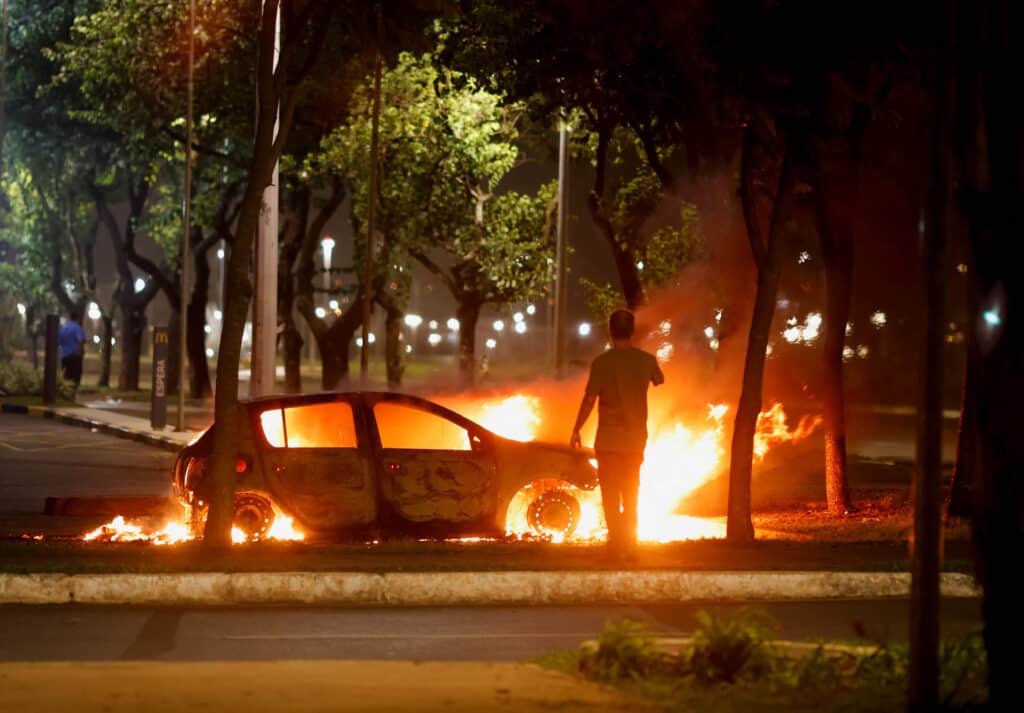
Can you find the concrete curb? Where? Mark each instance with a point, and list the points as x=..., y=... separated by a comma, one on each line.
x=403, y=589
x=61, y=415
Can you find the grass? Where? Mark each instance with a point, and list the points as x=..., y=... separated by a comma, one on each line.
x=732, y=665
x=75, y=556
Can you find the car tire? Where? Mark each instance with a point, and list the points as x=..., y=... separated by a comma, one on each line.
x=554, y=513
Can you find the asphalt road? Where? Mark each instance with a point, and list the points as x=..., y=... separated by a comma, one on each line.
x=40, y=458
x=78, y=632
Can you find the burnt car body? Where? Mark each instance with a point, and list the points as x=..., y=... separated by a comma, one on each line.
x=369, y=464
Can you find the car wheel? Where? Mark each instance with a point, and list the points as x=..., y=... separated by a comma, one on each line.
x=554, y=513
x=253, y=515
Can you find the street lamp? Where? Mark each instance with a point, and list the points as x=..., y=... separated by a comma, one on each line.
x=327, y=246
x=584, y=329
x=413, y=320
x=498, y=325
x=140, y=284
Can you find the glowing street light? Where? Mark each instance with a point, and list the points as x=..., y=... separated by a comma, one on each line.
x=218, y=315
x=499, y=325
x=584, y=329
x=520, y=327
x=453, y=324
x=491, y=343
x=413, y=320
x=320, y=312
x=333, y=304
x=94, y=311
x=434, y=339
x=531, y=309
x=517, y=317
x=432, y=324
x=140, y=284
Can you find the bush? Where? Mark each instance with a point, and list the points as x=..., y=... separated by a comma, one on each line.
x=23, y=380
x=726, y=649
x=626, y=649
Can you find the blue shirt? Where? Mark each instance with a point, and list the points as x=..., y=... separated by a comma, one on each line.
x=70, y=338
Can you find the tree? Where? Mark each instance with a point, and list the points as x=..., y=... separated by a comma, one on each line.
x=446, y=145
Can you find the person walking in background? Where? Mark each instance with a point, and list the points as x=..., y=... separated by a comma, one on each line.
x=71, y=339
x=618, y=382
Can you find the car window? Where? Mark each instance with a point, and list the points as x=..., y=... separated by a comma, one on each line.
x=326, y=425
x=407, y=427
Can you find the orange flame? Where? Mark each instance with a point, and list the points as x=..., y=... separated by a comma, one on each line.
x=185, y=529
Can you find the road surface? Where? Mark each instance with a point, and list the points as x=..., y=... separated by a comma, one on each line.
x=80, y=632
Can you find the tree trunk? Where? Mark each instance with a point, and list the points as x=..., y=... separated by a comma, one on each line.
x=837, y=254
x=393, y=347
x=739, y=526
x=292, y=347
x=105, y=350
x=468, y=314
x=173, y=351
x=266, y=150
x=195, y=331
x=991, y=141
x=133, y=327
x=335, y=344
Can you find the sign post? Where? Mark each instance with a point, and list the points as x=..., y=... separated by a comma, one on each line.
x=158, y=403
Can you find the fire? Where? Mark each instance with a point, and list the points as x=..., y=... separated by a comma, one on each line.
x=678, y=460
x=772, y=429
x=185, y=529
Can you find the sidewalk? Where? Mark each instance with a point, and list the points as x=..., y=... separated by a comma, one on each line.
x=106, y=421
x=300, y=686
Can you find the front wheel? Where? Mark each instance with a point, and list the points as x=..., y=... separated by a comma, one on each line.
x=554, y=513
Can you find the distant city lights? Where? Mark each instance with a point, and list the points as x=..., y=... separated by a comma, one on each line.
x=584, y=329
x=94, y=311
x=499, y=325
x=878, y=319
x=640, y=265
x=714, y=344
x=413, y=320
x=453, y=324
x=709, y=332
x=803, y=257
x=491, y=343
x=520, y=328
x=218, y=315
x=992, y=317
x=140, y=284
x=320, y=312
x=209, y=352
x=531, y=309
x=432, y=324
x=220, y=253
x=434, y=339
x=333, y=304
x=207, y=329
x=517, y=317
x=95, y=339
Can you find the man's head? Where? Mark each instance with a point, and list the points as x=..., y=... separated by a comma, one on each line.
x=75, y=314
x=620, y=326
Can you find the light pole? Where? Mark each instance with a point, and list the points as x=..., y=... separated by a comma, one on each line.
x=264, y=308
x=186, y=220
x=561, y=290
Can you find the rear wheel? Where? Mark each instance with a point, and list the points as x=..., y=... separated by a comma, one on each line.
x=253, y=515
x=554, y=513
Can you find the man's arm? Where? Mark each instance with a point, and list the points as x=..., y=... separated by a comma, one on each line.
x=586, y=406
x=657, y=378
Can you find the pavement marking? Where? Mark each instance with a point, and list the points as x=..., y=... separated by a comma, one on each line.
x=404, y=637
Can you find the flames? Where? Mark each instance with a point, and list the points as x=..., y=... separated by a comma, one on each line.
x=679, y=459
x=681, y=456
x=185, y=529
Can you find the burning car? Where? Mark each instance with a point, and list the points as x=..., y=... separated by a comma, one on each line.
x=365, y=464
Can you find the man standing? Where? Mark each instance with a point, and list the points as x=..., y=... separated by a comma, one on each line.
x=71, y=339
x=618, y=382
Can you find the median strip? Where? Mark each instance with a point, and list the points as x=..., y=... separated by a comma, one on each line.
x=405, y=589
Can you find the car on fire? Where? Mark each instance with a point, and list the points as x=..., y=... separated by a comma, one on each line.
x=375, y=465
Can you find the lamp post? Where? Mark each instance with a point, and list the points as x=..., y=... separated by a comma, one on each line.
x=186, y=221
x=561, y=249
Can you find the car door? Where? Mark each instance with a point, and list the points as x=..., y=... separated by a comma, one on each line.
x=315, y=465
x=435, y=469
